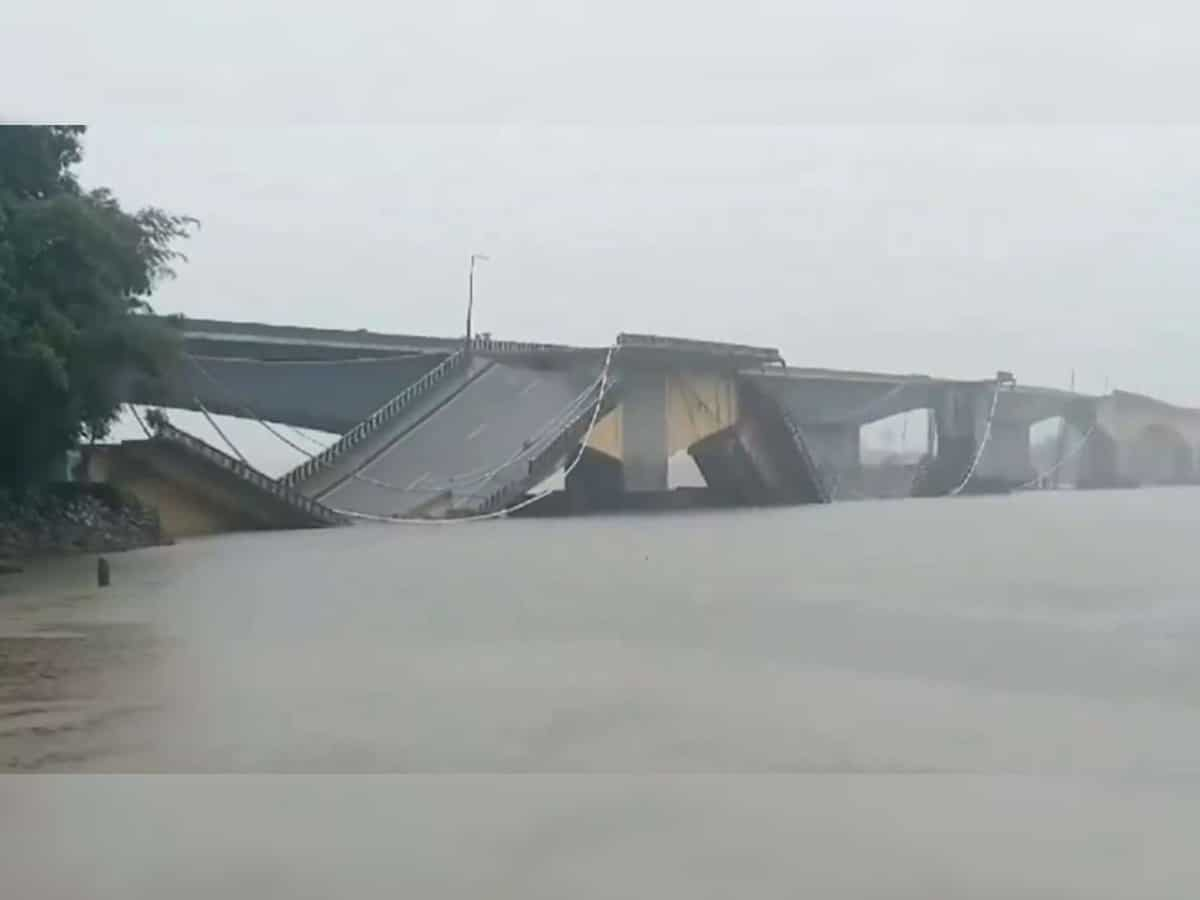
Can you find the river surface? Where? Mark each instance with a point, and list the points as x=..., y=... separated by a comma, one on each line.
x=991, y=697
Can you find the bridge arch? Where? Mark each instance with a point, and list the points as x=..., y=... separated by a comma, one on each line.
x=1160, y=454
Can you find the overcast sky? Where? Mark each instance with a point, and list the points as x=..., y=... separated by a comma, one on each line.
x=932, y=186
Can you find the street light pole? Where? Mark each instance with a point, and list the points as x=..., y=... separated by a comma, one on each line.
x=471, y=294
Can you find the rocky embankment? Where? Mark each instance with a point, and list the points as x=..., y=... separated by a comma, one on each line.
x=73, y=518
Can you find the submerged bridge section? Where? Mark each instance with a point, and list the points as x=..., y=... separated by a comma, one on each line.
x=1135, y=440
x=431, y=426
x=467, y=438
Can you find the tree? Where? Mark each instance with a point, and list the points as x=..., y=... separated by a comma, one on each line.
x=156, y=419
x=76, y=272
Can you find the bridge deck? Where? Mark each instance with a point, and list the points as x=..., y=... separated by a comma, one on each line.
x=330, y=396
x=270, y=503
x=473, y=442
x=201, y=331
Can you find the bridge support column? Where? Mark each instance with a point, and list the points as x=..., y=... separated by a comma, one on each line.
x=960, y=413
x=644, y=431
x=837, y=452
x=1099, y=462
x=1006, y=458
x=595, y=484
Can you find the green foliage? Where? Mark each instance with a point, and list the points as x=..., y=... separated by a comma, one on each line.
x=76, y=272
x=156, y=419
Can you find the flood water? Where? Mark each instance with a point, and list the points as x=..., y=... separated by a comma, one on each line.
x=985, y=696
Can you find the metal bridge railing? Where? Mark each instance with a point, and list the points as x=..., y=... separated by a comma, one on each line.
x=768, y=407
x=542, y=464
x=490, y=346
x=168, y=432
x=715, y=348
x=377, y=419
x=824, y=494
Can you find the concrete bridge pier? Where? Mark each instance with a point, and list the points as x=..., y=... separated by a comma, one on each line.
x=644, y=448
x=595, y=484
x=1006, y=457
x=1069, y=453
x=1149, y=459
x=837, y=452
x=960, y=415
x=1158, y=455
x=1137, y=440
x=1099, y=462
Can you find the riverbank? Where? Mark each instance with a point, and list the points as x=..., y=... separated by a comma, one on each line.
x=73, y=518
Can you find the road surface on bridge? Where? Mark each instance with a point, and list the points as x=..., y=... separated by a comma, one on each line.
x=477, y=429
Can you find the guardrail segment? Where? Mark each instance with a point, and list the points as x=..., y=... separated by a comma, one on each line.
x=540, y=465
x=767, y=406
x=823, y=491
x=167, y=432
x=377, y=419
x=490, y=346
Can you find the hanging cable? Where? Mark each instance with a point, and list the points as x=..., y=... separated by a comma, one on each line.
x=870, y=406
x=475, y=476
x=267, y=425
x=1066, y=458
x=380, y=415
x=145, y=428
x=530, y=501
x=217, y=428
x=308, y=437
x=465, y=479
x=546, y=433
x=458, y=480
x=987, y=434
x=249, y=412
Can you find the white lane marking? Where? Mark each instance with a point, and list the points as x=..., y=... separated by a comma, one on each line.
x=489, y=373
x=369, y=467
x=477, y=432
x=412, y=484
x=529, y=387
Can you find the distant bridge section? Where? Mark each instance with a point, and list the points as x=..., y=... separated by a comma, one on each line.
x=1135, y=440
x=308, y=377
x=258, y=341
x=830, y=407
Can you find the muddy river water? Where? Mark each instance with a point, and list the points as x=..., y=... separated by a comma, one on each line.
x=985, y=697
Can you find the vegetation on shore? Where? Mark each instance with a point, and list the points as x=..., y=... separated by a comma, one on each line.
x=76, y=272
x=69, y=518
